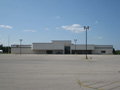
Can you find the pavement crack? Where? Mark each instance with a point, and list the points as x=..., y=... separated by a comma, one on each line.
x=87, y=86
x=80, y=85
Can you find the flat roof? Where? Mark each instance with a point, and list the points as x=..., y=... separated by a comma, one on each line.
x=60, y=40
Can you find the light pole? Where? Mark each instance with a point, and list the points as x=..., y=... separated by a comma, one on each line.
x=8, y=44
x=20, y=45
x=86, y=28
x=75, y=40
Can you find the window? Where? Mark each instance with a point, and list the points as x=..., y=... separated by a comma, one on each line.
x=103, y=51
x=49, y=52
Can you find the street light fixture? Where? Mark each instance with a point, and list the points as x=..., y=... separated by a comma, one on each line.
x=86, y=28
x=75, y=40
x=20, y=45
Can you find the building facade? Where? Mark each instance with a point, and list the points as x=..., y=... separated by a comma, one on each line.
x=61, y=47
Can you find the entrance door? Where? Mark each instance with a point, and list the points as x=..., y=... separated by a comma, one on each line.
x=49, y=52
x=67, y=49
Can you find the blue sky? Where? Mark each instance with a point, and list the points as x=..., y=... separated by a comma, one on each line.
x=46, y=20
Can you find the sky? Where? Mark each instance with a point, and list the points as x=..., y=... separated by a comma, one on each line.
x=46, y=20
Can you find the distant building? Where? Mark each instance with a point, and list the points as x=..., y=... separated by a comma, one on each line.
x=61, y=47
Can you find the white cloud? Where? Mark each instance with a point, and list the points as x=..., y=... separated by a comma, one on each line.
x=29, y=30
x=99, y=37
x=75, y=28
x=57, y=17
x=47, y=29
x=57, y=28
x=76, y=25
x=96, y=22
x=2, y=41
x=6, y=26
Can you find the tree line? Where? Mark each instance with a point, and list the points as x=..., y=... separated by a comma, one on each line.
x=5, y=49
x=116, y=52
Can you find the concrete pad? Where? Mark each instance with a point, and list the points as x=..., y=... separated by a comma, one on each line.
x=59, y=72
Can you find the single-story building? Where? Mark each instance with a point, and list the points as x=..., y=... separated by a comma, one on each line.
x=61, y=47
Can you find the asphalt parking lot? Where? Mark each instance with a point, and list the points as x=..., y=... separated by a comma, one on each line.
x=59, y=72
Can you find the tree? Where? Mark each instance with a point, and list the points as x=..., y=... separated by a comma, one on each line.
x=114, y=51
x=5, y=49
